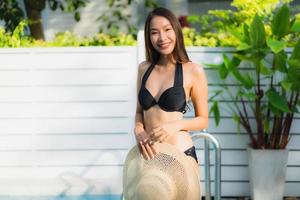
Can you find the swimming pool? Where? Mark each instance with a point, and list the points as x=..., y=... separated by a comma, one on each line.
x=81, y=197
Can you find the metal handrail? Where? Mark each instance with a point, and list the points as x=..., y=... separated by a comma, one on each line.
x=216, y=145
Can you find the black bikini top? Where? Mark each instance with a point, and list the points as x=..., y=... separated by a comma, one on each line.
x=172, y=99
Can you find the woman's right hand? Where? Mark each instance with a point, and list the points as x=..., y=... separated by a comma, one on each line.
x=146, y=145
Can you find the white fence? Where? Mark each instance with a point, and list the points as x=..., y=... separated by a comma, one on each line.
x=66, y=120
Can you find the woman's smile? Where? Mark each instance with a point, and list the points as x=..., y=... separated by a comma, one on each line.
x=164, y=45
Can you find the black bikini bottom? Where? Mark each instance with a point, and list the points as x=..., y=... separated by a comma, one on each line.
x=191, y=152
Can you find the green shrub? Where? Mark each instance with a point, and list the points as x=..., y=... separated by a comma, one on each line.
x=18, y=39
x=194, y=38
x=224, y=27
x=268, y=92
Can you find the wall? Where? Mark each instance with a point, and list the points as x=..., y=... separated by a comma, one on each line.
x=65, y=118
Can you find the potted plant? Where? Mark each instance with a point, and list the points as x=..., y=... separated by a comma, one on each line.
x=266, y=97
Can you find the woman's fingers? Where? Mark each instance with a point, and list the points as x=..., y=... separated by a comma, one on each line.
x=146, y=146
x=153, y=149
x=149, y=151
x=144, y=151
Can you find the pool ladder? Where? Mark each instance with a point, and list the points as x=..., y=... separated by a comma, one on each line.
x=209, y=138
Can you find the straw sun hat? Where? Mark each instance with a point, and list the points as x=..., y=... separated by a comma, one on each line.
x=168, y=176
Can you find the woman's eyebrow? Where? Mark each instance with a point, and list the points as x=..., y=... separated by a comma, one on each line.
x=163, y=27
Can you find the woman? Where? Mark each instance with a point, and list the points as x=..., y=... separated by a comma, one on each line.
x=161, y=100
x=166, y=80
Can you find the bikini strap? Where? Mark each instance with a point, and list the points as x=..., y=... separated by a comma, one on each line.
x=178, y=75
x=147, y=74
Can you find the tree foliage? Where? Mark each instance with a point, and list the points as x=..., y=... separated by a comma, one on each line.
x=13, y=13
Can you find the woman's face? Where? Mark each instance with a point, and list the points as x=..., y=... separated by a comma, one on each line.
x=162, y=35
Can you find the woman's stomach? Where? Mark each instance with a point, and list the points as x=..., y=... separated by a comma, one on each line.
x=155, y=117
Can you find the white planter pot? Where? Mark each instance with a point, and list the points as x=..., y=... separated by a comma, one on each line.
x=267, y=173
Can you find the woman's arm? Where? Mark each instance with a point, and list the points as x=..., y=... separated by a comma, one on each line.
x=199, y=97
x=139, y=118
x=145, y=143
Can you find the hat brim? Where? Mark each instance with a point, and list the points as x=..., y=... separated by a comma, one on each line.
x=169, y=160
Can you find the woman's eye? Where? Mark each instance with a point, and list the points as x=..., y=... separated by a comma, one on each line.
x=153, y=33
x=168, y=29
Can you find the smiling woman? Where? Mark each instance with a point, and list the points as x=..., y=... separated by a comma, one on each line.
x=163, y=37
x=164, y=30
x=166, y=81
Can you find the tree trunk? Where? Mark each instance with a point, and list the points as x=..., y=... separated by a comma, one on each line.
x=34, y=13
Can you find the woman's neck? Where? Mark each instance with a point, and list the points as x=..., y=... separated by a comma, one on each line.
x=166, y=60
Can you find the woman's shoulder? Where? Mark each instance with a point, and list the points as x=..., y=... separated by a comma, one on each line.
x=143, y=66
x=194, y=69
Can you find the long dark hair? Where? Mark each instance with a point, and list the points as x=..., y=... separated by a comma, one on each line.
x=179, y=52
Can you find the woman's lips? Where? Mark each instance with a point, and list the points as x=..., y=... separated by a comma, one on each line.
x=163, y=45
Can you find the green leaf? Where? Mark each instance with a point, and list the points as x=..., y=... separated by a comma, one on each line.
x=236, y=61
x=257, y=33
x=266, y=125
x=227, y=61
x=223, y=72
x=246, y=80
x=286, y=85
x=294, y=63
x=193, y=19
x=277, y=100
x=216, y=112
x=264, y=70
x=225, y=67
x=275, y=110
x=293, y=76
x=217, y=93
x=281, y=22
x=231, y=64
x=248, y=95
x=280, y=61
x=296, y=26
x=246, y=37
x=237, y=119
x=296, y=52
x=214, y=66
x=243, y=46
x=276, y=45
x=245, y=57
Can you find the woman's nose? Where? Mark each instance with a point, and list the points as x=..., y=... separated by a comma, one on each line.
x=162, y=36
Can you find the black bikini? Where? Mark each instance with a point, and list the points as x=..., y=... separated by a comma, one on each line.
x=191, y=152
x=172, y=99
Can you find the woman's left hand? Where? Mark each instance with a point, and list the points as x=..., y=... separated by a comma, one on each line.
x=161, y=133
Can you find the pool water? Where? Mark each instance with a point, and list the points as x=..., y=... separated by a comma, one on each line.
x=81, y=197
